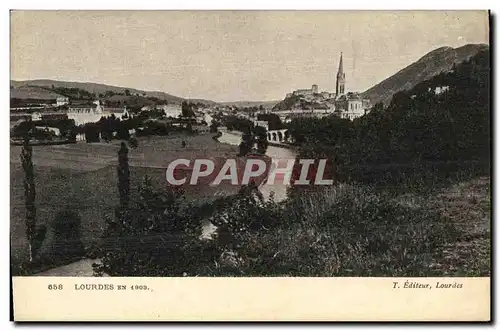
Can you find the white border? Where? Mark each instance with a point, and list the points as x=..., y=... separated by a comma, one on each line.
x=191, y=4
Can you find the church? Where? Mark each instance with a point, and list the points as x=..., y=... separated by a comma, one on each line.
x=348, y=105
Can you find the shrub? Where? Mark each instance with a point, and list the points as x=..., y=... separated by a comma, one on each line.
x=133, y=142
x=67, y=243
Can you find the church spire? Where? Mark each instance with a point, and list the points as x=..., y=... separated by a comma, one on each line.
x=340, y=86
x=341, y=67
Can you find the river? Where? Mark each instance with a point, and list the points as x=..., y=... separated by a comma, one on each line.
x=274, y=152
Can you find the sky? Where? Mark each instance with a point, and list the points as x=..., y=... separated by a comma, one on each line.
x=231, y=55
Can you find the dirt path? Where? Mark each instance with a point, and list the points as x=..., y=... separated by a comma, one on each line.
x=82, y=268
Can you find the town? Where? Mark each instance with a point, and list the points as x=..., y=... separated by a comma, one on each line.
x=308, y=103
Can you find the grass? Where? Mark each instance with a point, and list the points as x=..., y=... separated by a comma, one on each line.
x=468, y=206
x=351, y=230
x=345, y=230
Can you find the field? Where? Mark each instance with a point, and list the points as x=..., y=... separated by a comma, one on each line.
x=82, y=177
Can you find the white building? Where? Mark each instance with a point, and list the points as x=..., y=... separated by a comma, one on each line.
x=36, y=116
x=207, y=118
x=349, y=106
x=172, y=110
x=441, y=89
x=85, y=115
x=264, y=124
x=61, y=101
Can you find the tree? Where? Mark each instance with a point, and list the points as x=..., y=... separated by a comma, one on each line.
x=92, y=132
x=123, y=133
x=33, y=236
x=127, y=93
x=261, y=139
x=214, y=126
x=123, y=176
x=133, y=142
x=246, y=145
x=67, y=242
x=187, y=109
x=153, y=237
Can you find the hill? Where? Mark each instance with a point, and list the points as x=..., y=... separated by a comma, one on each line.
x=33, y=92
x=439, y=60
x=22, y=90
x=303, y=102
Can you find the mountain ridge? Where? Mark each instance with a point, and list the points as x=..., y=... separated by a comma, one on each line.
x=33, y=89
x=439, y=60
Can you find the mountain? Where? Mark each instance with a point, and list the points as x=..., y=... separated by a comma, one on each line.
x=22, y=90
x=439, y=60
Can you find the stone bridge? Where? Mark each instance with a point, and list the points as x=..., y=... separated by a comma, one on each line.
x=279, y=136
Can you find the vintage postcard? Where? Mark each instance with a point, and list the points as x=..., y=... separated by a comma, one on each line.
x=250, y=165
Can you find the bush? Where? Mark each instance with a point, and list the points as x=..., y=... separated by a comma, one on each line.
x=133, y=142
x=67, y=243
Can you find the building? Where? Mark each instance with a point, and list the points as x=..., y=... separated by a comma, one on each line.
x=172, y=110
x=264, y=124
x=208, y=119
x=36, y=116
x=306, y=92
x=440, y=89
x=84, y=115
x=62, y=101
x=349, y=106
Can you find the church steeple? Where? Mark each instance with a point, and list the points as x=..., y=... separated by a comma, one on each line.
x=340, y=86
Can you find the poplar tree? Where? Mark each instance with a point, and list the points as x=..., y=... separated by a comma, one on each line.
x=29, y=194
x=123, y=176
